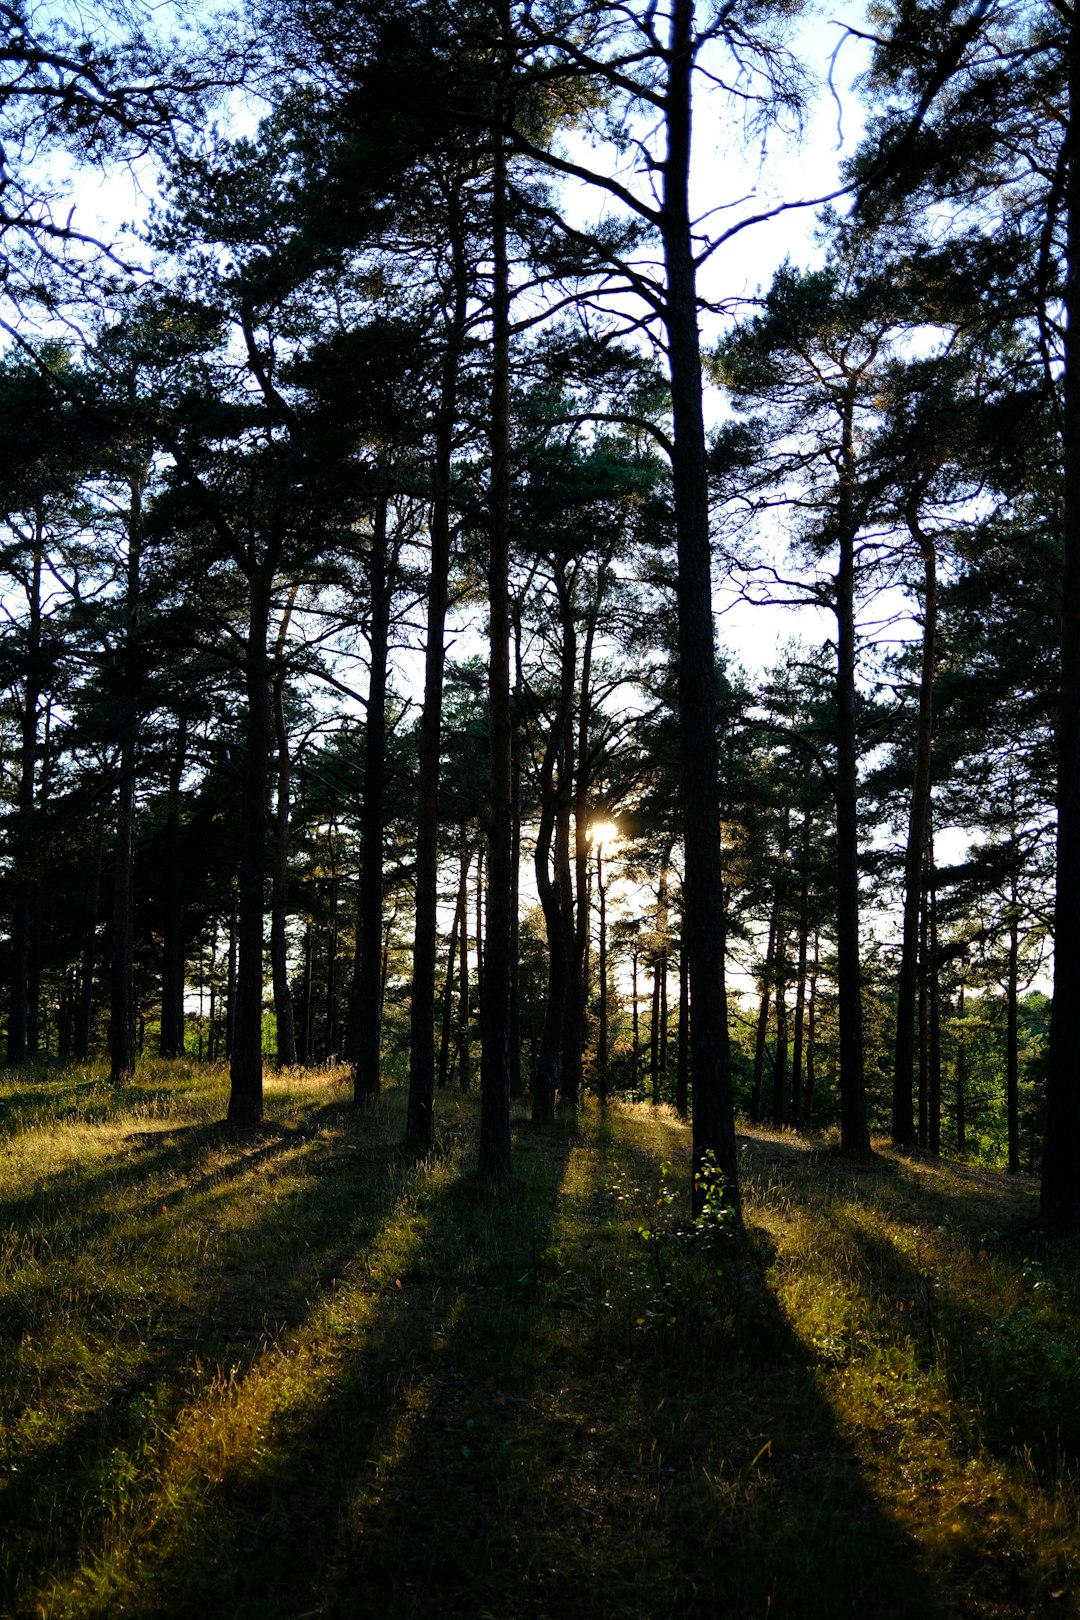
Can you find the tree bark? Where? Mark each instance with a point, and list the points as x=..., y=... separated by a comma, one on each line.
x=420, y=1116
x=1060, y=1192
x=366, y=1074
x=123, y=1054
x=682, y=1064
x=903, y=1121
x=494, y=1158
x=279, y=889
x=713, y=1111
x=24, y=875
x=171, y=1040
x=854, y=1131
x=246, y=1061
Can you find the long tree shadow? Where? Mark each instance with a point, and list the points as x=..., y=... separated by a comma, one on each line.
x=503, y=1441
x=422, y=1368
x=126, y=1360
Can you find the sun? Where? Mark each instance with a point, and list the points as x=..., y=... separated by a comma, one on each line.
x=604, y=834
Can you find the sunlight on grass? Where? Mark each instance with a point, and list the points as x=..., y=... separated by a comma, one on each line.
x=251, y=1372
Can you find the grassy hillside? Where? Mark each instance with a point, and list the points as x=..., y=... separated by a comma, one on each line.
x=286, y=1374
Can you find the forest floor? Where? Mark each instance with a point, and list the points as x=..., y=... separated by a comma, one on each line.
x=284, y=1373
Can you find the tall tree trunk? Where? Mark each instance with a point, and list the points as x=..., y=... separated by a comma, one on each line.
x=800, y=986
x=602, y=1037
x=332, y=1021
x=1060, y=1194
x=366, y=1074
x=494, y=1159
x=579, y=768
x=88, y=961
x=713, y=1113
x=663, y=924
x=1012, y=1035
x=634, y=1031
x=122, y=1045
x=246, y=1060
x=463, y=1053
x=767, y=976
x=554, y=812
x=903, y=1121
x=924, y=1027
x=25, y=875
x=811, y=1051
x=279, y=886
x=780, y=1052
x=420, y=1115
x=448, y=997
x=230, y=989
x=960, y=1078
x=854, y=1131
x=171, y=1040
x=934, y=1134
x=682, y=1065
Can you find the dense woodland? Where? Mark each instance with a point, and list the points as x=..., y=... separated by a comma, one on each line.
x=362, y=697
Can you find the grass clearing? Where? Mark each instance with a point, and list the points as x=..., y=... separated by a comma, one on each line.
x=286, y=1373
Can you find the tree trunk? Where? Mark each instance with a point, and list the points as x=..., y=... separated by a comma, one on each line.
x=331, y=1021
x=448, y=997
x=903, y=1122
x=463, y=1053
x=602, y=1037
x=682, y=1067
x=123, y=1054
x=800, y=987
x=811, y=1055
x=246, y=1063
x=663, y=924
x=554, y=809
x=767, y=973
x=366, y=1074
x=780, y=1052
x=24, y=876
x=420, y=1116
x=494, y=1159
x=634, y=1032
x=1060, y=1195
x=934, y=1135
x=924, y=1029
x=713, y=1113
x=854, y=1132
x=1012, y=1037
x=279, y=889
x=960, y=1078
x=171, y=1039
x=85, y=1007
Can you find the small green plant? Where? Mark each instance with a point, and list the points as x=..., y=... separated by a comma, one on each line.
x=697, y=1270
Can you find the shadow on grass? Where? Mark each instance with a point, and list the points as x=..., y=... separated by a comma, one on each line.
x=398, y=1395
x=503, y=1438
x=116, y=1318
x=415, y=1387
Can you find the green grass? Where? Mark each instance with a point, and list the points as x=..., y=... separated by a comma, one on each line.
x=286, y=1373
